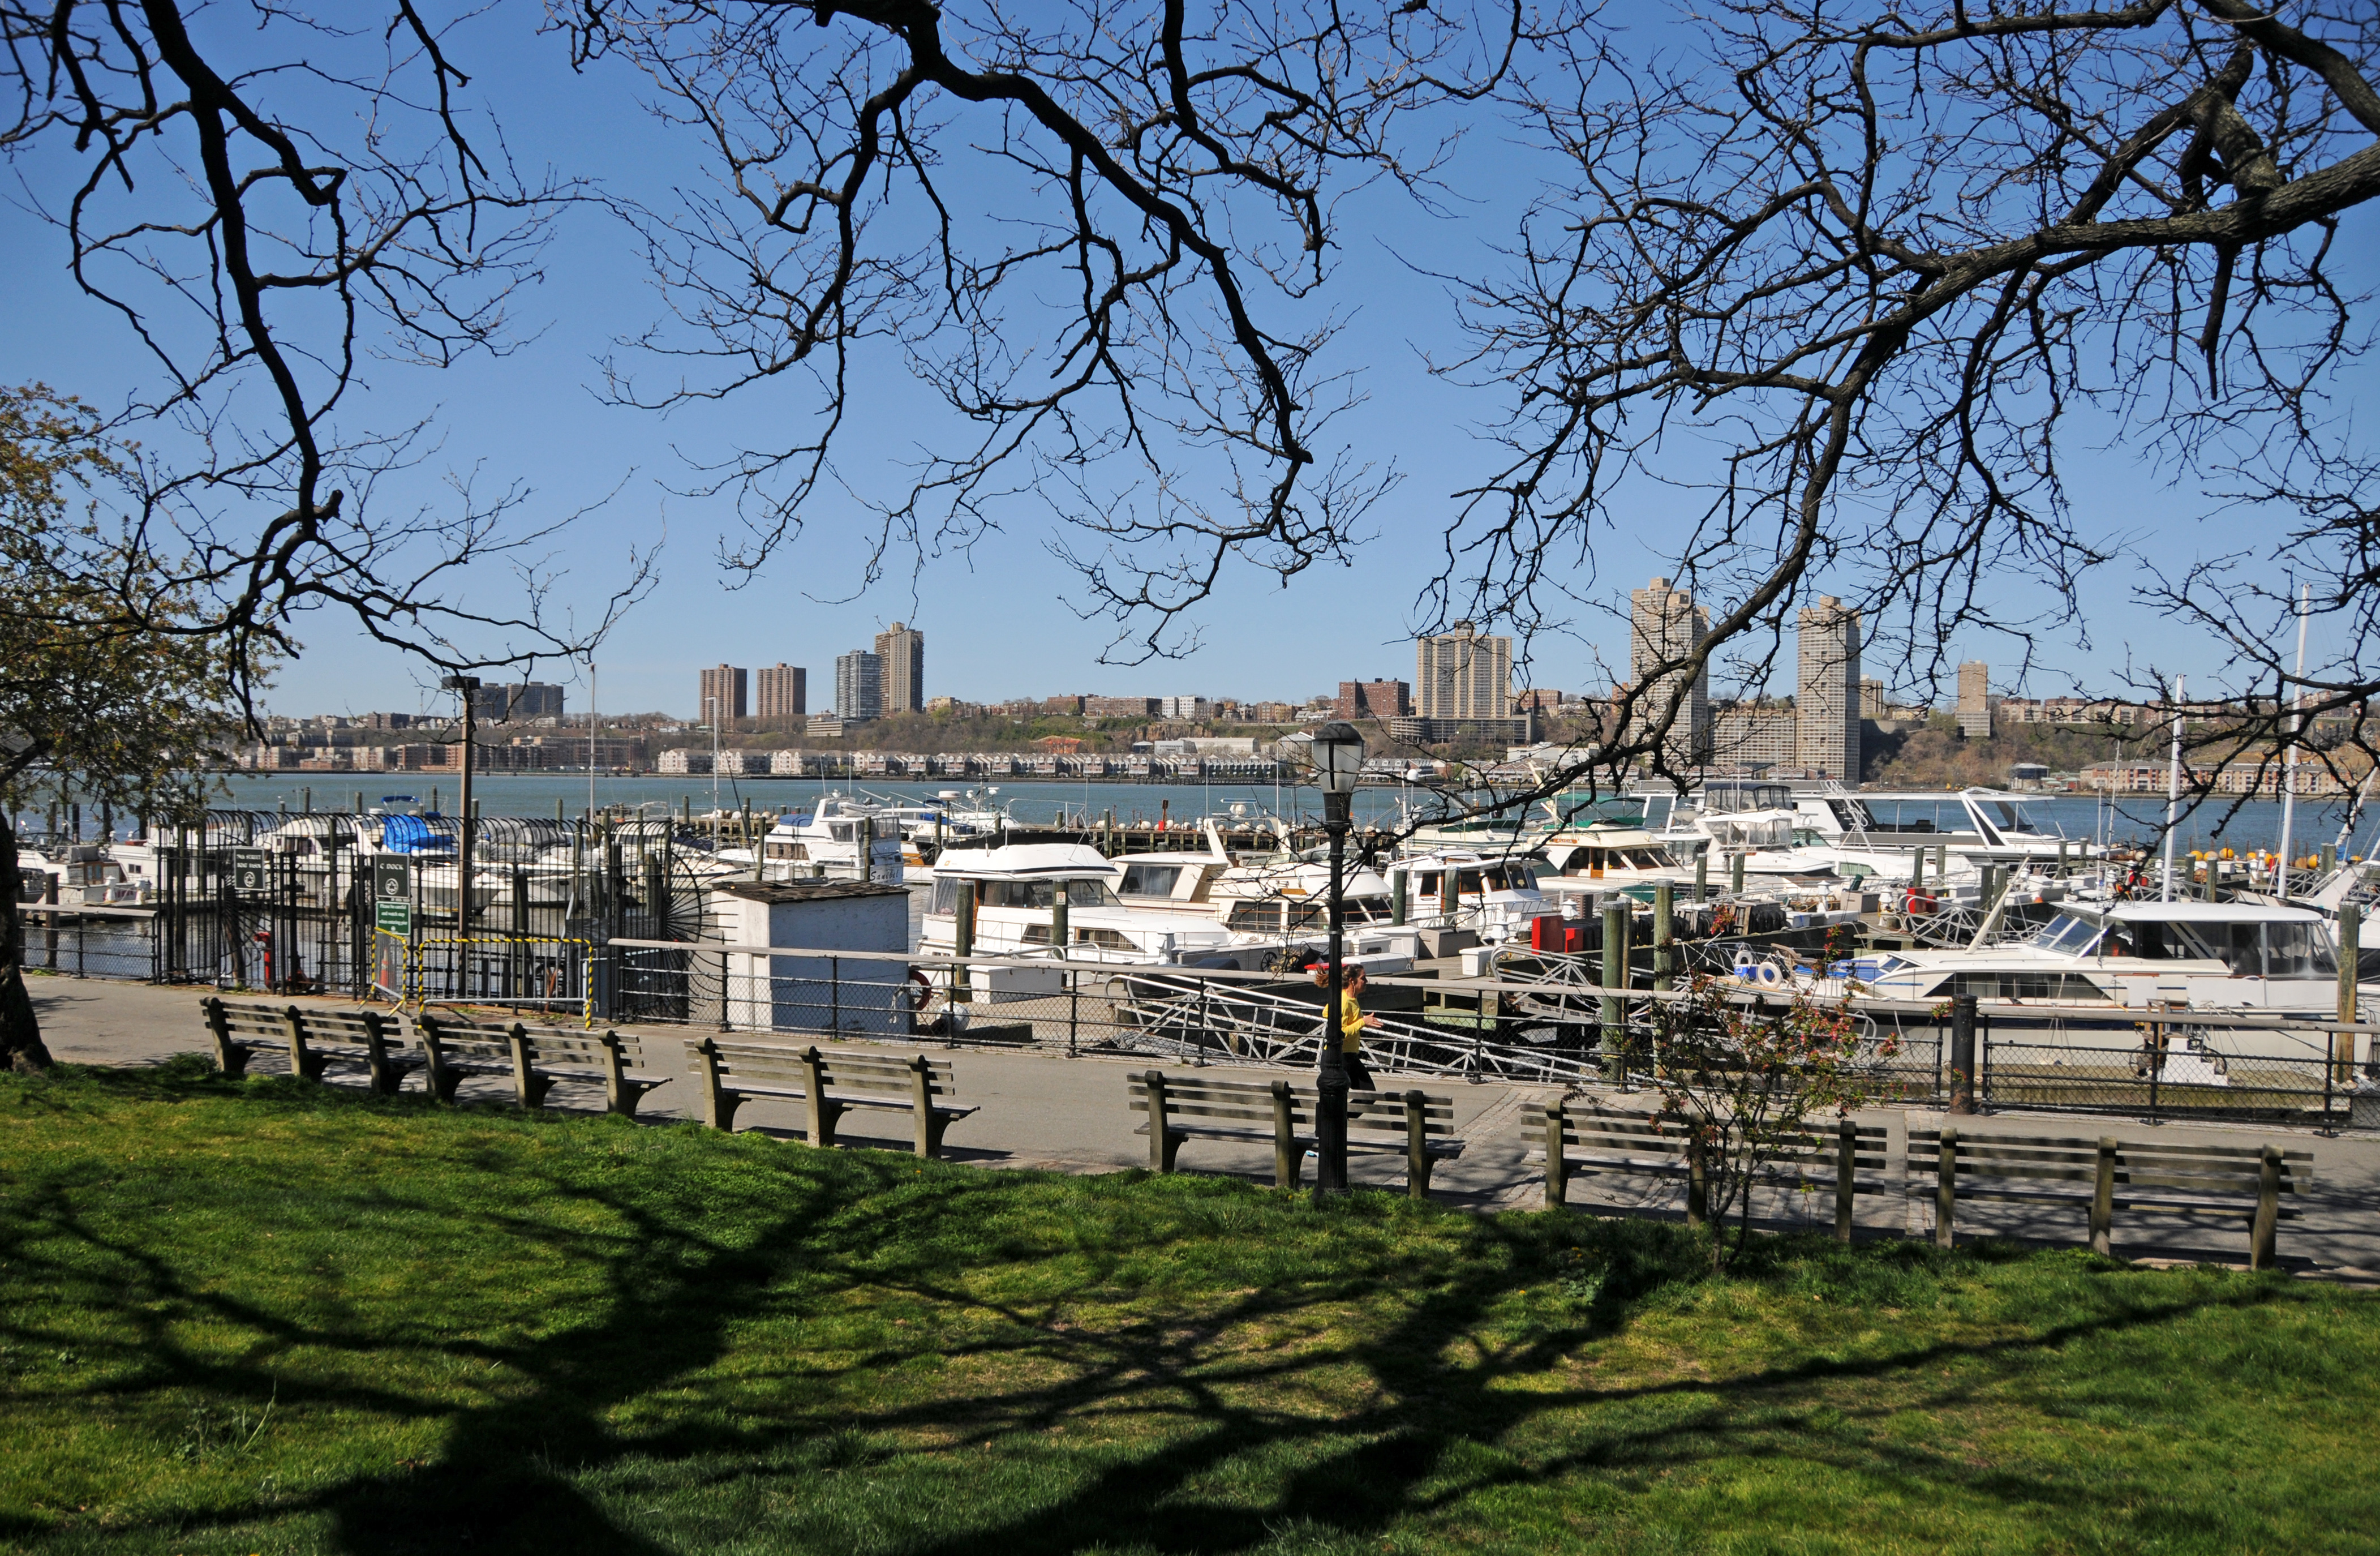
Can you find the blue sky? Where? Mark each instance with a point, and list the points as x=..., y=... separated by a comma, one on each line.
x=994, y=619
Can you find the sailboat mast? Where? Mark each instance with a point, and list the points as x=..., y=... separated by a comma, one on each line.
x=2290, y=763
x=2172, y=792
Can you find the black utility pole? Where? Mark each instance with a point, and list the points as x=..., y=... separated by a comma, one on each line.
x=465, y=685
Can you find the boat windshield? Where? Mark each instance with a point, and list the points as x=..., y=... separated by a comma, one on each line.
x=1851, y=815
x=1768, y=832
x=1514, y=877
x=1746, y=796
x=1150, y=880
x=2250, y=950
x=2068, y=935
x=2012, y=816
x=1083, y=892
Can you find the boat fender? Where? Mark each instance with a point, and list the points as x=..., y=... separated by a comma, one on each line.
x=1918, y=906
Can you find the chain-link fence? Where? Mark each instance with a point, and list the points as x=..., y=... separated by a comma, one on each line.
x=294, y=905
x=1556, y=1029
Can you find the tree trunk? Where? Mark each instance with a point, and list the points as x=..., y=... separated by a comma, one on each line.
x=20, y=1030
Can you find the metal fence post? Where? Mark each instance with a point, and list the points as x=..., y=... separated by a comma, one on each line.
x=2156, y=1064
x=1941, y=1050
x=834, y=996
x=1983, y=1061
x=1665, y=954
x=2342, y=1045
x=1615, y=975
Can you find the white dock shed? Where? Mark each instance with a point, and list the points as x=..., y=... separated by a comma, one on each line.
x=810, y=993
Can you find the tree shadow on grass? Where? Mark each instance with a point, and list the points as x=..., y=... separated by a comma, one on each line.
x=1185, y=1368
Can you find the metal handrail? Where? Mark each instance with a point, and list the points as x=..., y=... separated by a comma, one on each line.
x=1864, y=1003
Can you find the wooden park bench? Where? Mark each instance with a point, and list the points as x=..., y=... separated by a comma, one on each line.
x=312, y=1037
x=1182, y=1107
x=834, y=1081
x=2245, y=1182
x=1585, y=1137
x=534, y=1058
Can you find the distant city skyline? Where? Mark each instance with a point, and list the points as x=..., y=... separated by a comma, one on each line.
x=1471, y=671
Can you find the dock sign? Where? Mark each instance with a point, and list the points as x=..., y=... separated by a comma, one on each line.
x=247, y=870
x=393, y=895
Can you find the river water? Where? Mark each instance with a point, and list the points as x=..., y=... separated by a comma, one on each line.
x=2256, y=824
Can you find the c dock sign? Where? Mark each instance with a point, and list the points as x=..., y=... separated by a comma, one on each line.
x=393, y=895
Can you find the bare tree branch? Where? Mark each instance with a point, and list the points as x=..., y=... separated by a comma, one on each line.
x=1877, y=273
x=1150, y=187
x=260, y=257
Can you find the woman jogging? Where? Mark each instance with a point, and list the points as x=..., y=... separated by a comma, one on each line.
x=1352, y=1022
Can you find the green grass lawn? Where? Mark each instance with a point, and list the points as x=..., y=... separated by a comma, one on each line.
x=270, y=1317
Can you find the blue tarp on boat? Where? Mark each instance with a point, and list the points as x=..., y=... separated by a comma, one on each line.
x=411, y=834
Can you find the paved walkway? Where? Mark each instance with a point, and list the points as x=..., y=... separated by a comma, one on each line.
x=1047, y=1111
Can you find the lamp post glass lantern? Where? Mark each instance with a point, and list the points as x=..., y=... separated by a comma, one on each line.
x=1337, y=751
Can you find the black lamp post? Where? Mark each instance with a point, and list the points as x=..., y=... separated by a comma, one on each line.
x=468, y=686
x=1338, y=754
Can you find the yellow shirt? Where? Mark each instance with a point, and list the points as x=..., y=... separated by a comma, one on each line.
x=1351, y=1023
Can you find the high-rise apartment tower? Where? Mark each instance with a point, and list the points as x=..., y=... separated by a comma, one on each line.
x=1461, y=674
x=901, y=649
x=859, y=686
x=1976, y=700
x=784, y=694
x=1665, y=626
x=722, y=693
x=1827, y=701
x=517, y=704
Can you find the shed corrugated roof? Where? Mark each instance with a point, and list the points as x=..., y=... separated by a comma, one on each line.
x=776, y=891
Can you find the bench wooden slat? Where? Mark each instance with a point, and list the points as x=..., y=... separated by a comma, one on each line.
x=535, y=1058
x=1184, y=1108
x=1437, y=1119
x=2215, y=1179
x=311, y=1037
x=833, y=1080
x=2160, y=1148
x=1592, y=1139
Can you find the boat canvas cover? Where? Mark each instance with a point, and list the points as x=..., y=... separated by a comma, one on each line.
x=411, y=834
x=1027, y=860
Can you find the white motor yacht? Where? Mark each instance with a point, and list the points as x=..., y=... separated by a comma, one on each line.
x=2128, y=959
x=837, y=839
x=1493, y=895
x=1018, y=887
x=953, y=817
x=1982, y=826
x=84, y=874
x=1751, y=820
x=1280, y=895
x=1607, y=857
